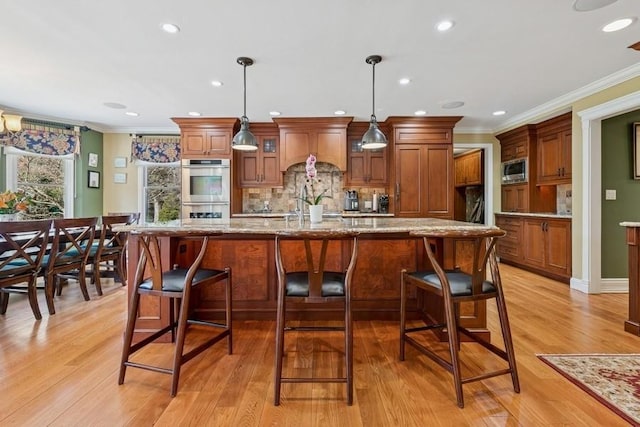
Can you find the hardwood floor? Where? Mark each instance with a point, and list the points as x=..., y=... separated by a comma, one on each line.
x=62, y=370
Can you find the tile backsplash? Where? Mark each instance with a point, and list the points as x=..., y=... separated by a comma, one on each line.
x=563, y=199
x=284, y=199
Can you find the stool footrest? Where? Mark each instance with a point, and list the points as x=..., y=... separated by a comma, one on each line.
x=314, y=328
x=313, y=380
x=149, y=367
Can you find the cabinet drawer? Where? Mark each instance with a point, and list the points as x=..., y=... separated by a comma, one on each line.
x=508, y=250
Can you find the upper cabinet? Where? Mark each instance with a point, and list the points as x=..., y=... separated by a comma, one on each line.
x=261, y=168
x=206, y=137
x=325, y=137
x=468, y=169
x=516, y=143
x=554, y=150
x=423, y=166
x=365, y=167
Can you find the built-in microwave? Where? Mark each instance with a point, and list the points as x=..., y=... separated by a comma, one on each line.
x=206, y=189
x=514, y=171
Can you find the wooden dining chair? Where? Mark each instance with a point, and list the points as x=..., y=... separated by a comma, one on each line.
x=454, y=287
x=72, y=242
x=22, y=247
x=314, y=284
x=178, y=285
x=109, y=254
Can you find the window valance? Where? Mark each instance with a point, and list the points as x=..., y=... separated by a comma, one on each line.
x=44, y=140
x=156, y=149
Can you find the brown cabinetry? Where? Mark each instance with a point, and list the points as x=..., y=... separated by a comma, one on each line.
x=423, y=166
x=554, y=150
x=540, y=244
x=261, y=168
x=203, y=138
x=468, y=169
x=326, y=138
x=510, y=246
x=365, y=167
x=515, y=198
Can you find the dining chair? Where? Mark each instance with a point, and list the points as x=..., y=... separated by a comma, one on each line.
x=178, y=284
x=67, y=259
x=109, y=255
x=22, y=247
x=453, y=287
x=314, y=284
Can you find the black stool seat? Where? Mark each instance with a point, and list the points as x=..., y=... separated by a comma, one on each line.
x=459, y=283
x=332, y=284
x=173, y=280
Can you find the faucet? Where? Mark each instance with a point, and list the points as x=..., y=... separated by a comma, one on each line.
x=301, y=202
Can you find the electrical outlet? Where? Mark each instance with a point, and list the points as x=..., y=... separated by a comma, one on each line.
x=609, y=194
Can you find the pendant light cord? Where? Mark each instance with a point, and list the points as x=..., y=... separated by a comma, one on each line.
x=244, y=110
x=373, y=91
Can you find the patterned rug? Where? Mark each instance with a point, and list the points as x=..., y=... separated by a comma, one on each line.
x=613, y=379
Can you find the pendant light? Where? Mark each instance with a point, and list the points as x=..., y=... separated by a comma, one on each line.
x=373, y=138
x=244, y=140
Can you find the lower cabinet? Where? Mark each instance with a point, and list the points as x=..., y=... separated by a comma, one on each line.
x=544, y=244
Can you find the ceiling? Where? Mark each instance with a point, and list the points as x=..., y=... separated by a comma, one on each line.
x=63, y=60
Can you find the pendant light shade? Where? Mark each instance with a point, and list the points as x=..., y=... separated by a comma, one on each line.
x=244, y=140
x=373, y=138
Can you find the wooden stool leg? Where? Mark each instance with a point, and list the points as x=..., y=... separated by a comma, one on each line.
x=454, y=348
x=508, y=342
x=280, y=322
x=181, y=335
x=403, y=313
x=348, y=332
x=228, y=311
x=128, y=334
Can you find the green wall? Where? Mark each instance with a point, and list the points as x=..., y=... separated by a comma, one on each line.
x=88, y=201
x=617, y=174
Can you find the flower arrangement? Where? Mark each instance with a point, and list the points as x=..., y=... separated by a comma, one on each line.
x=13, y=202
x=311, y=170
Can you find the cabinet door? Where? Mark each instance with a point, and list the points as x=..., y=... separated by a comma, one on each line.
x=409, y=183
x=533, y=235
x=357, y=168
x=459, y=171
x=566, y=155
x=193, y=144
x=378, y=166
x=249, y=170
x=558, y=248
x=218, y=144
x=549, y=157
x=270, y=165
x=473, y=168
x=515, y=198
x=438, y=181
x=330, y=147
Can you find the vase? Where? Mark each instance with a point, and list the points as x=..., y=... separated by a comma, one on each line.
x=6, y=217
x=315, y=213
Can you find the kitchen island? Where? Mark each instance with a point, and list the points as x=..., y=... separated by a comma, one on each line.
x=247, y=246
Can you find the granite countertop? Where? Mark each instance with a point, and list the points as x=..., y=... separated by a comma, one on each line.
x=343, y=214
x=630, y=224
x=270, y=226
x=538, y=214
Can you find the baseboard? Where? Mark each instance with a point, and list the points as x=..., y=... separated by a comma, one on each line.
x=614, y=286
x=579, y=285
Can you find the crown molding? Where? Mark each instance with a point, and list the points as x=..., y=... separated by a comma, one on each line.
x=563, y=103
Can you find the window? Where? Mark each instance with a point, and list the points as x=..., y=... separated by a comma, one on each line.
x=160, y=192
x=47, y=179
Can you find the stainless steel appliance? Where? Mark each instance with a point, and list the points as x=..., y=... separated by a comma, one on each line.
x=383, y=203
x=514, y=171
x=351, y=200
x=206, y=189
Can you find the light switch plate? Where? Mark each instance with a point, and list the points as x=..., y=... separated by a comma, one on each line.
x=609, y=194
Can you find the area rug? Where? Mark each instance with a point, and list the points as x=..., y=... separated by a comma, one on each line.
x=613, y=379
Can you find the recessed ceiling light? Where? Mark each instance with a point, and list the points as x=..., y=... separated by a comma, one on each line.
x=132, y=114
x=115, y=105
x=170, y=28
x=194, y=114
x=274, y=113
x=452, y=104
x=404, y=81
x=618, y=25
x=339, y=112
x=588, y=5
x=420, y=113
x=444, y=25
x=216, y=83
x=499, y=113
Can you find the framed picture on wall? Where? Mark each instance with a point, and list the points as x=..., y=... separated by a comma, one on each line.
x=636, y=150
x=94, y=179
x=93, y=160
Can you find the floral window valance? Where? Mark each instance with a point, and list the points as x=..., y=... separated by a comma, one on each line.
x=156, y=149
x=45, y=140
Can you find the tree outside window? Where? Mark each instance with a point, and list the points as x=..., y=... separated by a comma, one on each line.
x=43, y=180
x=162, y=193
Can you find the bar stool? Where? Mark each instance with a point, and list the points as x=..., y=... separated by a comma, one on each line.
x=455, y=287
x=176, y=284
x=314, y=285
